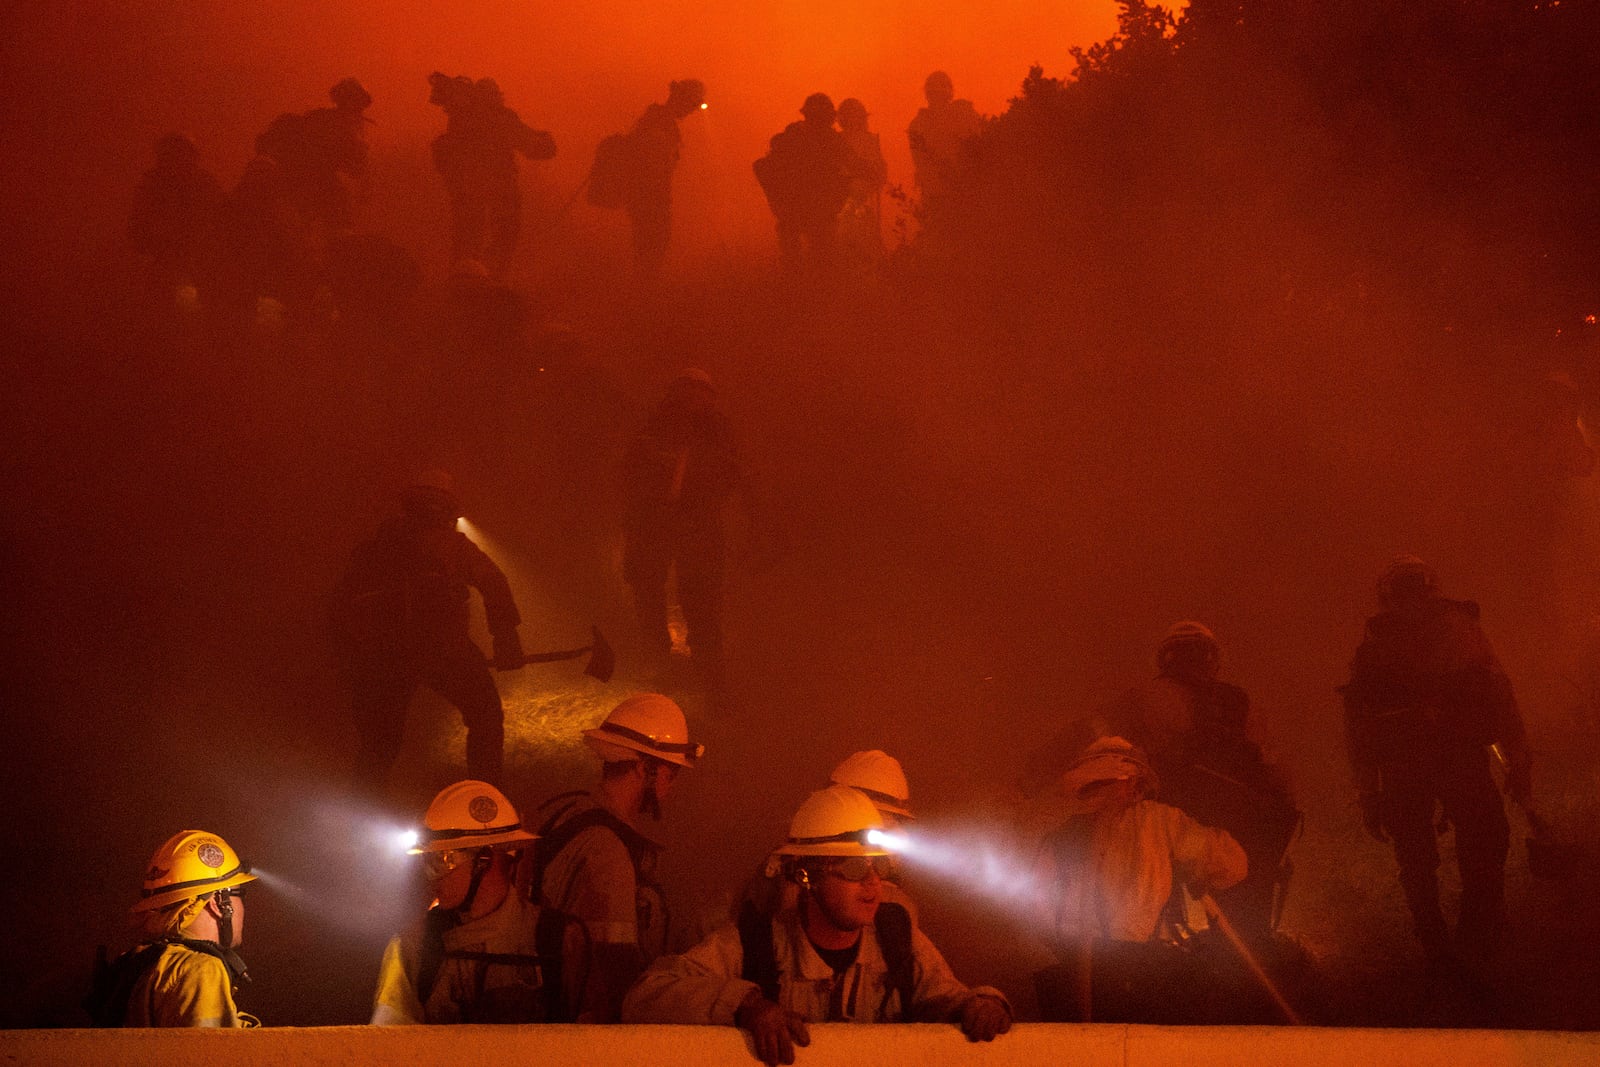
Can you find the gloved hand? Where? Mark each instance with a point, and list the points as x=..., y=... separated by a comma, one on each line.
x=507, y=651
x=983, y=1017
x=1372, y=815
x=775, y=1029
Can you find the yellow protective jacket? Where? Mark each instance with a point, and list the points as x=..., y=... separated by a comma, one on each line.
x=185, y=987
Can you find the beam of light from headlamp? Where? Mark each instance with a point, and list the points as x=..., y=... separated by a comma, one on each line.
x=974, y=861
x=896, y=843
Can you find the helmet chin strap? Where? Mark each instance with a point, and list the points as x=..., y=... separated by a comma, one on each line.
x=480, y=866
x=224, y=902
x=649, y=799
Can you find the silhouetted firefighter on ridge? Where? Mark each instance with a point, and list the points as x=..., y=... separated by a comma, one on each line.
x=476, y=156
x=861, y=222
x=634, y=171
x=321, y=151
x=806, y=176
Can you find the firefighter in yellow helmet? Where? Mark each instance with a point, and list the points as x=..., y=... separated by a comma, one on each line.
x=595, y=860
x=839, y=953
x=184, y=970
x=481, y=953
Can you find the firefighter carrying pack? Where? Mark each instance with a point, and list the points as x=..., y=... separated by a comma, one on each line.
x=893, y=926
x=111, y=988
x=553, y=838
x=549, y=936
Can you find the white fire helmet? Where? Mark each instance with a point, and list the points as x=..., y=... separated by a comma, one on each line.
x=470, y=814
x=835, y=821
x=646, y=724
x=1110, y=759
x=878, y=775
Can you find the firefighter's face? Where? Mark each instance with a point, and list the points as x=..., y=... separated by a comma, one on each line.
x=451, y=876
x=844, y=904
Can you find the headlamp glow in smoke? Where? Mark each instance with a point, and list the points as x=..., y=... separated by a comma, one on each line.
x=891, y=841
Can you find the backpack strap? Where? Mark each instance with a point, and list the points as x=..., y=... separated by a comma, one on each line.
x=554, y=838
x=893, y=926
x=548, y=956
x=760, y=954
x=111, y=989
x=431, y=953
x=549, y=940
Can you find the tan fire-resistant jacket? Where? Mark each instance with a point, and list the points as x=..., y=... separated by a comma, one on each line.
x=703, y=986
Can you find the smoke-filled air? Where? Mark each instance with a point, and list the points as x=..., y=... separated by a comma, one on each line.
x=1144, y=453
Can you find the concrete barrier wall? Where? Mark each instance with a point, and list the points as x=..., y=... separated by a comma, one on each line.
x=832, y=1045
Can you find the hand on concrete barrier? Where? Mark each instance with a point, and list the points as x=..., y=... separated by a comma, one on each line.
x=774, y=1029
x=983, y=1018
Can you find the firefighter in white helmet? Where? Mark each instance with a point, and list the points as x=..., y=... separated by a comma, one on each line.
x=838, y=953
x=595, y=860
x=1195, y=731
x=1111, y=883
x=184, y=971
x=481, y=953
x=880, y=777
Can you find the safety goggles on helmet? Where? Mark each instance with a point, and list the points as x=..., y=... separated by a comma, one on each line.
x=859, y=868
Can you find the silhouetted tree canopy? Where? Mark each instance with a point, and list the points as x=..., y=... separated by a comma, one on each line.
x=1438, y=154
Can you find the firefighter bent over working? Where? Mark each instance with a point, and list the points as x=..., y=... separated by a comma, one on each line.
x=401, y=620
x=1113, y=884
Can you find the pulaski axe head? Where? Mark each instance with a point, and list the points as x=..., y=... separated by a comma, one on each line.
x=602, y=661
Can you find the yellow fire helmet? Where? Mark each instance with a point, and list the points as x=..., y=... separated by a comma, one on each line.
x=191, y=864
x=470, y=814
x=648, y=724
x=836, y=821
x=880, y=776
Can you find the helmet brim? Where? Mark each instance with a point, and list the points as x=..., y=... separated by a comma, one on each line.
x=456, y=843
x=833, y=848
x=156, y=901
x=613, y=748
